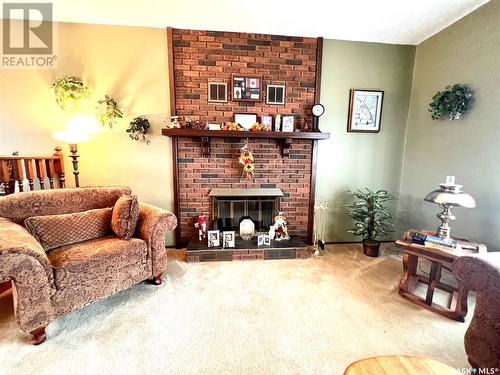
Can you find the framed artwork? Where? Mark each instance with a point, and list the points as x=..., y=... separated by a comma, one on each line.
x=246, y=87
x=228, y=239
x=287, y=125
x=275, y=94
x=267, y=121
x=213, y=238
x=365, y=111
x=260, y=240
x=263, y=240
x=246, y=120
x=217, y=92
x=267, y=240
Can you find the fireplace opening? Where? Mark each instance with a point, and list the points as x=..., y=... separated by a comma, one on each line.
x=230, y=206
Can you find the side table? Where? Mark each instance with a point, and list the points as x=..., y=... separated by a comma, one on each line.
x=439, y=258
x=399, y=365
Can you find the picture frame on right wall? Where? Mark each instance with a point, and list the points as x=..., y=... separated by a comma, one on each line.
x=365, y=111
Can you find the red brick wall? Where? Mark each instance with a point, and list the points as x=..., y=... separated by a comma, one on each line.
x=198, y=175
x=203, y=56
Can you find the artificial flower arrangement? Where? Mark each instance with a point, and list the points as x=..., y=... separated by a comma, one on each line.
x=246, y=159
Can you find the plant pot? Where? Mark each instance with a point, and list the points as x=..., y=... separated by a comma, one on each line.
x=371, y=248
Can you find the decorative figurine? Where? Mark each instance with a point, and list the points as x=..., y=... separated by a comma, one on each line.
x=174, y=123
x=197, y=125
x=189, y=123
x=277, y=123
x=201, y=225
x=280, y=228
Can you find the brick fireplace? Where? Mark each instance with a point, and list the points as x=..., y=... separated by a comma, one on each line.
x=205, y=160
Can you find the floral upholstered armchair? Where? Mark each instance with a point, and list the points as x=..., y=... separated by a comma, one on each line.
x=482, y=339
x=91, y=262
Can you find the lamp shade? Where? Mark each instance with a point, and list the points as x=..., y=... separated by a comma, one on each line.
x=70, y=136
x=452, y=196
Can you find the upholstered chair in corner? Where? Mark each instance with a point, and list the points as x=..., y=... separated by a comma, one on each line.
x=482, y=339
x=50, y=280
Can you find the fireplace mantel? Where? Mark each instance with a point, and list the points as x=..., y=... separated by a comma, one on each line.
x=206, y=135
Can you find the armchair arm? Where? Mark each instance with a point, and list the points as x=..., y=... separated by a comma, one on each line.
x=23, y=260
x=479, y=272
x=154, y=223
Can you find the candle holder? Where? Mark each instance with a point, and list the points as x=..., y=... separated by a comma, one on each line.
x=448, y=196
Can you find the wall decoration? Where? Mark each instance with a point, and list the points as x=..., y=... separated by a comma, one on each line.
x=246, y=120
x=275, y=94
x=228, y=239
x=288, y=123
x=267, y=122
x=246, y=87
x=138, y=128
x=217, y=92
x=70, y=92
x=108, y=112
x=213, y=238
x=246, y=159
x=451, y=103
x=365, y=110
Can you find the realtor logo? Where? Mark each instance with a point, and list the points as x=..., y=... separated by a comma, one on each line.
x=27, y=35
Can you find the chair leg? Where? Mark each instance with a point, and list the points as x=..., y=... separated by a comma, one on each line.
x=157, y=280
x=38, y=336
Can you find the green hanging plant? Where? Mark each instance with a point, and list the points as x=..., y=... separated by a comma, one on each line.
x=451, y=103
x=70, y=92
x=108, y=112
x=138, y=128
x=371, y=215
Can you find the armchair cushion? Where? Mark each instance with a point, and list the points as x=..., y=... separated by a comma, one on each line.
x=89, y=260
x=58, y=230
x=125, y=216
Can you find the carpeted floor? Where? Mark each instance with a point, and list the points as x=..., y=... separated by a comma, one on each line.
x=312, y=316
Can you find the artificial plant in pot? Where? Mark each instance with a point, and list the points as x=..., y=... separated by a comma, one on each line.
x=138, y=129
x=371, y=218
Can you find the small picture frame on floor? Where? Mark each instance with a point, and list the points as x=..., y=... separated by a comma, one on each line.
x=228, y=239
x=213, y=238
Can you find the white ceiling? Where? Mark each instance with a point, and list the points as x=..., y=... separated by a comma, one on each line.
x=387, y=21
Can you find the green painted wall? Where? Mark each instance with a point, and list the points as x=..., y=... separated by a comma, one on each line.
x=466, y=52
x=354, y=160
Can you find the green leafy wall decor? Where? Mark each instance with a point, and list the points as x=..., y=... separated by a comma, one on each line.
x=70, y=92
x=138, y=128
x=108, y=112
x=451, y=103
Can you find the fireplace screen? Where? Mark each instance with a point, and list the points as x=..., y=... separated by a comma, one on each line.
x=230, y=206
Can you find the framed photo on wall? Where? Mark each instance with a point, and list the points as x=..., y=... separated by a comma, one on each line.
x=365, y=111
x=246, y=87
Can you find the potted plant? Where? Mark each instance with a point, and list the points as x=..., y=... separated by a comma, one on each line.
x=371, y=218
x=138, y=128
x=70, y=92
x=451, y=103
x=108, y=111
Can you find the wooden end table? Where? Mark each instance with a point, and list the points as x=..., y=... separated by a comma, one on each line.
x=439, y=258
x=399, y=365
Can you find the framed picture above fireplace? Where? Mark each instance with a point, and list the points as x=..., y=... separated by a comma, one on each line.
x=246, y=87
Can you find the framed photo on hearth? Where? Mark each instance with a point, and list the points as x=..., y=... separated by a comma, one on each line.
x=213, y=238
x=228, y=239
x=365, y=111
x=246, y=87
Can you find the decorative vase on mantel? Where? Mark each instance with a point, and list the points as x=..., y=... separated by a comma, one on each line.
x=247, y=228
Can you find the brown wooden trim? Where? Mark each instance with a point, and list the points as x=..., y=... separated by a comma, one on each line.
x=171, y=76
x=242, y=134
x=177, y=210
x=319, y=64
x=312, y=192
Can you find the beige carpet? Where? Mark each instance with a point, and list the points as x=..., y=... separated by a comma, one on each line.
x=311, y=316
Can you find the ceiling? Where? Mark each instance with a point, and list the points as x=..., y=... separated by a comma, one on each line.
x=386, y=21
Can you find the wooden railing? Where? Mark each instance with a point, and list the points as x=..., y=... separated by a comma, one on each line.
x=37, y=171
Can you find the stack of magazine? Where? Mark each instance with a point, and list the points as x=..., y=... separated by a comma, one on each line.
x=442, y=244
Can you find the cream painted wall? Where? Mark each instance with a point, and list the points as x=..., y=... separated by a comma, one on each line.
x=355, y=160
x=129, y=64
x=466, y=52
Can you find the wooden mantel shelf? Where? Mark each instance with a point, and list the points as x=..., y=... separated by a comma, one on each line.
x=206, y=135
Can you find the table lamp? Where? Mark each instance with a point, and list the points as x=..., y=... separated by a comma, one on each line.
x=448, y=196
